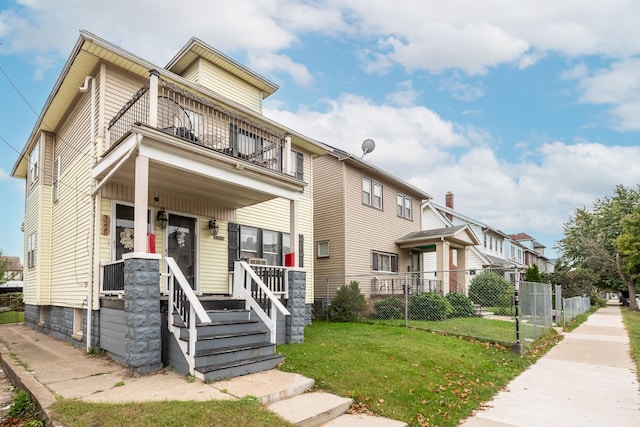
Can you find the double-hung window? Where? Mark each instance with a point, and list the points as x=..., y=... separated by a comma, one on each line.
x=31, y=251
x=34, y=163
x=245, y=144
x=384, y=262
x=404, y=206
x=296, y=164
x=371, y=193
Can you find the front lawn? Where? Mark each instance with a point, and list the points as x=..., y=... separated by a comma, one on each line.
x=632, y=322
x=11, y=317
x=419, y=377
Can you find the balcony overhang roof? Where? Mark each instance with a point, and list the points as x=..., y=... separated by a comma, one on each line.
x=193, y=171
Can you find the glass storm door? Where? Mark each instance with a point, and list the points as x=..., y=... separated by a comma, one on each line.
x=415, y=272
x=181, y=245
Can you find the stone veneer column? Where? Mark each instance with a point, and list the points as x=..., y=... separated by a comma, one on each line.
x=143, y=337
x=296, y=305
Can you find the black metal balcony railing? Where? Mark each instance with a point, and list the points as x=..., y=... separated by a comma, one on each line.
x=200, y=121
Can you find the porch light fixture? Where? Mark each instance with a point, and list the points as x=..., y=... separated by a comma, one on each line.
x=213, y=227
x=162, y=218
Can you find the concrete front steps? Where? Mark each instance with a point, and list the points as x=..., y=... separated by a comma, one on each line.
x=287, y=394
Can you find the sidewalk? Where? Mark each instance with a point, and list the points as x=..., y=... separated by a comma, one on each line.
x=588, y=379
x=48, y=368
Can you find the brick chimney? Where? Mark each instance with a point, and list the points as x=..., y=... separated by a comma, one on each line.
x=448, y=202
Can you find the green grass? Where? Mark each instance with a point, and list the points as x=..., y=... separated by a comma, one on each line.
x=412, y=375
x=490, y=329
x=11, y=317
x=632, y=322
x=242, y=412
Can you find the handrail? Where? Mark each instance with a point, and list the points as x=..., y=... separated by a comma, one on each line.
x=240, y=290
x=179, y=299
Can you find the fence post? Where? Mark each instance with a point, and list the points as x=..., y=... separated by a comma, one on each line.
x=406, y=305
x=517, y=347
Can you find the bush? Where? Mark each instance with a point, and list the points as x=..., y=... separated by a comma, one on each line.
x=490, y=289
x=462, y=305
x=348, y=304
x=429, y=306
x=389, y=308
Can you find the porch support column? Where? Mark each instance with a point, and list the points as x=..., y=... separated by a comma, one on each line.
x=297, y=307
x=143, y=332
x=153, y=98
x=141, y=204
x=442, y=265
x=287, y=154
x=293, y=232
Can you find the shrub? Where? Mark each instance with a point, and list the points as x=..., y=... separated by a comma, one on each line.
x=389, y=308
x=348, y=304
x=490, y=289
x=429, y=306
x=462, y=305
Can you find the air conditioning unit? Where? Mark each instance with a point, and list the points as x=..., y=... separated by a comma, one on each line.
x=257, y=261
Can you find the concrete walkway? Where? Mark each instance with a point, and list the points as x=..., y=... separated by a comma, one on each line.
x=49, y=368
x=588, y=379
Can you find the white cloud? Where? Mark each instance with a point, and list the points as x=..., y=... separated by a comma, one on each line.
x=3, y=175
x=404, y=96
x=460, y=90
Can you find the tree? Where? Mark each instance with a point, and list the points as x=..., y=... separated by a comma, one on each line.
x=533, y=274
x=3, y=268
x=628, y=259
x=590, y=241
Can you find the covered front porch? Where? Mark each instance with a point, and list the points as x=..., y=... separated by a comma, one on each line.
x=444, y=253
x=166, y=222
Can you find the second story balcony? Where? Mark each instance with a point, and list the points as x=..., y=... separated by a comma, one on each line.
x=196, y=119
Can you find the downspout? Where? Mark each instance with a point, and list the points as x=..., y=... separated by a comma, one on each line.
x=83, y=89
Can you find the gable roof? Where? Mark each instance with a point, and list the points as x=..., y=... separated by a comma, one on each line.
x=360, y=164
x=88, y=52
x=13, y=263
x=196, y=48
x=444, y=210
x=459, y=234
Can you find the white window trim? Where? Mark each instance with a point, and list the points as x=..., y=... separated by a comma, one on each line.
x=323, y=253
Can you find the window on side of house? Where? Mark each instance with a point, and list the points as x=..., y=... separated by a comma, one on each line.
x=296, y=164
x=323, y=249
x=34, y=163
x=56, y=179
x=384, y=262
x=31, y=250
x=366, y=191
x=377, y=196
x=404, y=206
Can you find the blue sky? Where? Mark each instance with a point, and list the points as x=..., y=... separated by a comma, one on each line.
x=524, y=112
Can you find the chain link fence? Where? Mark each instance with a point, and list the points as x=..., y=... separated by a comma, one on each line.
x=485, y=306
x=572, y=307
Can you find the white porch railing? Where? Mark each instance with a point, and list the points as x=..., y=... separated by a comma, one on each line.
x=184, y=301
x=249, y=286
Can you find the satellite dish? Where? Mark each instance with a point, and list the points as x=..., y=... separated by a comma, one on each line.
x=367, y=146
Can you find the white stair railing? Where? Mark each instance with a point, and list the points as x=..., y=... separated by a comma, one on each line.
x=243, y=278
x=184, y=301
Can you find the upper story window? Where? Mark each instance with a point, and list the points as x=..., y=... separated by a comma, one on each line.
x=296, y=164
x=371, y=193
x=31, y=250
x=245, y=144
x=404, y=206
x=34, y=163
x=485, y=240
x=384, y=262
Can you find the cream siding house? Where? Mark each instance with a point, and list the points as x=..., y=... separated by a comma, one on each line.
x=173, y=172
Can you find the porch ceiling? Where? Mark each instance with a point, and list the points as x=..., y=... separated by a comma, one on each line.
x=195, y=172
